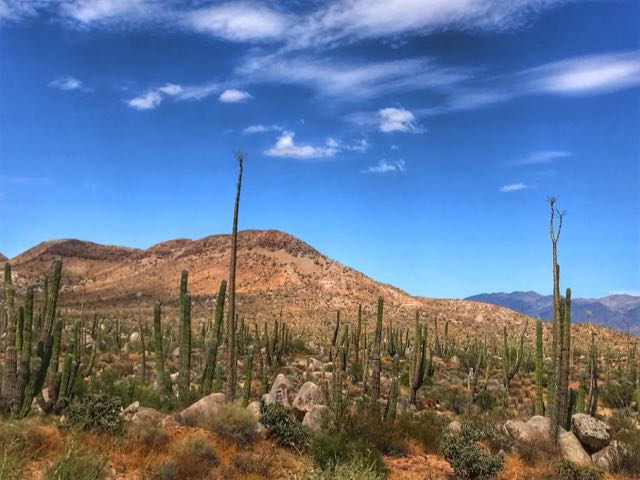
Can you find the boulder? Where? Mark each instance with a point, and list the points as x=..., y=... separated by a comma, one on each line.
x=542, y=425
x=309, y=395
x=314, y=365
x=134, y=337
x=254, y=407
x=317, y=417
x=521, y=431
x=281, y=391
x=454, y=428
x=591, y=432
x=197, y=414
x=609, y=456
x=572, y=449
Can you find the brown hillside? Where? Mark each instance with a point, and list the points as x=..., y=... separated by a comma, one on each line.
x=275, y=271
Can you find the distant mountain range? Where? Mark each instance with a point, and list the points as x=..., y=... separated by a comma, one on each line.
x=621, y=312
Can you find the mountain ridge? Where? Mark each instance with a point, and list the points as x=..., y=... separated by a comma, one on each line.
x=618, y=311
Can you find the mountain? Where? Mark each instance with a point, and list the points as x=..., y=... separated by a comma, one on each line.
x=3, y=258
x=621, y=312
x=278, y=274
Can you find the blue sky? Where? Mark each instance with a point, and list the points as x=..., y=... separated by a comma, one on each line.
x=414, y=141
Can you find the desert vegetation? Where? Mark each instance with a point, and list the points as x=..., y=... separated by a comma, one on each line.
x=164, y=394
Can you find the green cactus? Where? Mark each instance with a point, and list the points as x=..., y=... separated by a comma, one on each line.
x=539, y=402
x=377, y=350
x=212, y=354
x=420, y=347
x=248, y=369
x=9, y=378
x=393, y=393
x=161, y=379
x=185, y=347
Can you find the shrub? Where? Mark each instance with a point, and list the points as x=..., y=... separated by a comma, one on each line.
x=193, y=457
x=21, y=443
x=234, y=422
x=565, y=470
x=283, y=427
x=330, y=450
x=466, y=458
x=624, y=431
x=368, y=423
x=252, y=462
x=426, y=427
x=356, y=468
x=618, y=395
x=97, y=411
x=78, y=464
x=152, y=437
x=537, y=450
x=485, y=401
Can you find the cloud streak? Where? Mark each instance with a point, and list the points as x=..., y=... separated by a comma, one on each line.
x=513, y=187
x=285, y=147
x=543, y=157
x=385, y=166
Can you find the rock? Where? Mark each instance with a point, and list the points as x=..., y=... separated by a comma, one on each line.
x=591, y=432
x=128, y=413
x=314, y=365
x=542, y=425
x=281, y=391
x=572, y=450
x=146, y=416
x=454, y=428
x=609, y=456
x=254, y=407
x=134, y=337
x=261, y=431
x=454, y=362
x=521, y=431
x=309, y=395
x=197, y=415
x=316, y=418
x=168, y=422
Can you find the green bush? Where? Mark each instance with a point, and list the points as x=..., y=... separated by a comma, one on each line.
x=96, y=411
x=466, y=458
x=426, y=427
x=485, y=401
x=368, y=423
x=618, y=395
x=356, y=468
x=329, y=450
x=234, y=422
x=565, y=470
x=283, y=427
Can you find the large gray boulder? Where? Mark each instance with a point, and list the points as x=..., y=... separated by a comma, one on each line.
x=572, y=449
x=309, y=396
x=281, y=391
x=317, y=417
x=143, y=416
x=198, y=414
x=521, y=431
x=591, y=432
x=609, y=456
x=542, y=425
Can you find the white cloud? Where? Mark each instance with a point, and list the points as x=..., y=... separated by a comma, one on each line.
x=384, y=166
x=586, y=75
x=543, y=157
x=239, y=21
x=251, y=129
x=67, y=83
x=231, y=95
x=171, y=89
x=351, y=80
x=397, y=120
x=88, y=12
x=513, y=187
x=147, y=101
x=286, y=147
x=361, y=145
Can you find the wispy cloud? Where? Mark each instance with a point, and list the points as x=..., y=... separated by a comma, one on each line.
x=513, y=187
x=232, y=95
x=67, y=83
x=543, y=157
x=386, y=166
x=251, y=129
x=113, y=12
x=146, y=101
x=586, y=75
x=285, y=147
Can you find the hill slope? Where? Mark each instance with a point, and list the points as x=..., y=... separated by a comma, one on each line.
x=615, y=311
x=276, y=273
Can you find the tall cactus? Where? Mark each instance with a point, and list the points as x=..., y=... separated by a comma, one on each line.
x=9, y=390
x=594, y=373
x=185, y=346
x=248, y=370
x=24, y=365
x=357, y=334
x=216, y=339
x=420, y=347
x=377, y=350
x=161, y=378
x=539, y=401
x=231, y=317
x=511, y=358
x=395, y=387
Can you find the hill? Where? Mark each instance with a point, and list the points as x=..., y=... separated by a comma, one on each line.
x=621, y=312
x=278, y=274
